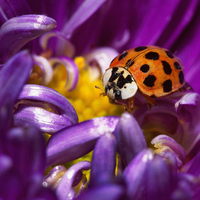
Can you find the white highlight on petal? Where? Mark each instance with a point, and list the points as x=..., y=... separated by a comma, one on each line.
x=147, y=156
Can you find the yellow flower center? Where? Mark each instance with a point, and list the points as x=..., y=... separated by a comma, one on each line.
x=85, y=98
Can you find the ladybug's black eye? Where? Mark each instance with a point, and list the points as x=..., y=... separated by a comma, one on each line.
x=118, y=95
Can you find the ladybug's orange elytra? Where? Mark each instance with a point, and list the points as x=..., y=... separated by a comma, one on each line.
x=154, y=71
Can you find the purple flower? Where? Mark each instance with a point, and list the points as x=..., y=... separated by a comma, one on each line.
x=88, y=35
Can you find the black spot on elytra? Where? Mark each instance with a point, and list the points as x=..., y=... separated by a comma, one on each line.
x=123, y=55
x=141, y=48
x=166, y=67
x=181, y=77
x=169, y=54
x=114, y=74
x=167, y=86
x=130, y=62
x=122, y=81
x=144, y=68
x=152, y=55
x=177, y=65
x=149, y=80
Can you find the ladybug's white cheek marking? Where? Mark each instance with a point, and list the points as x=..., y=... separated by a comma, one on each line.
x=129, y=90
x=106, y=77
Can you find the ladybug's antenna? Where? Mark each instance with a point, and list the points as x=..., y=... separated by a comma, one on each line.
x=103, y=93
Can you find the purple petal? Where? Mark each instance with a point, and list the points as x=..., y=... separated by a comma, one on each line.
x=182, y=16
x=72, y=71
x=44, y=120
x=130, y=138
x=77, y=140
x=5, y=163
x=10, y=9
x=165, y=11
x=158, y=180
x=104, y=159
x=165, y=143
x=88, y=8
x=101, y=57
x=153, y=122
x=44, y=64
x=14, y=75
x=52, y=179
x=6, y=118
x=184, y=186
x=45, y=194
x=65, y=48
x=187, y=46
x=65, y=185
x=135, y=174
x=10, y=185
x=192, y=167
x=188, y=109
x=16, y=32
x=26, y=147
x=105, y=192
x=42, y=93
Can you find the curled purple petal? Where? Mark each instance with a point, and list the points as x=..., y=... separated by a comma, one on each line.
x=130, y=138
x=17, y=31
x=105, y=192
x=77, y=140
x=44, y=120
x=42, y=93
x=54, y=176
x=67, y=48
x=104, y=159
x=26, y=147
x=47, y=71
x=188, y=109
x=135, y=174
x=14, y=74
x=64, y=188
x=101, y=57
x=84, y=11
x=71, y=69
x=165, y=143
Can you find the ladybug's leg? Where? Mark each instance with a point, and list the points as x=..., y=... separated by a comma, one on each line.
x=186, y=87
x=130, y=105
x=150, y=101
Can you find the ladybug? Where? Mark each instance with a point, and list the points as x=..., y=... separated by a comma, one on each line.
x=153, y=71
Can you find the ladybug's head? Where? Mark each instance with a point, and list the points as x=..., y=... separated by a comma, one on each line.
x=119, y=84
